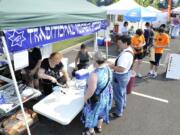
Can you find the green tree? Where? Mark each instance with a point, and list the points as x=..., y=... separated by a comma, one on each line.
x=178, y=3
x=115, y=1
x=155, y=3
x=144, y=3
x=93, y=1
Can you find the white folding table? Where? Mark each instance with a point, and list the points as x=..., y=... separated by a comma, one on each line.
x=61, y=106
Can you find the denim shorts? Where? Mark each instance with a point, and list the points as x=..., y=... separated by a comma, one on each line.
x=157, y=59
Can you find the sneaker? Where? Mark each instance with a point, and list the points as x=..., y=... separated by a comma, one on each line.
x=139, y=75
x=150, y=74
x=154, y=75
x=88, y=132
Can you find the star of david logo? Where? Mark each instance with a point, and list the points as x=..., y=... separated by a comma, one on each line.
x=17, y=39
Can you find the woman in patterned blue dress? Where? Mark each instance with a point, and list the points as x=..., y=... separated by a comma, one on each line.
x=99, y=83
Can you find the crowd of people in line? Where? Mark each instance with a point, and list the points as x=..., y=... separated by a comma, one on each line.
x=108, y=81
x=145, y=42
x=133, y=46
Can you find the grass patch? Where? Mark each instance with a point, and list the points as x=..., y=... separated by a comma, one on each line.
x=58, y=46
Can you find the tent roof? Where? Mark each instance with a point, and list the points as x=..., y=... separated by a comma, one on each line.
x=140, y=14
x=121, y=7
x=33, y=13
x=176, y=10
x=153, y=9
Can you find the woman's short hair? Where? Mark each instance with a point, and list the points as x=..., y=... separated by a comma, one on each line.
x=161, y=30
x=147, y=24
x=139, y=32
x=125, y=39
x=125, y=23
x=100, y=57
x=56, y=55
x=163, y=26
x=83, y=46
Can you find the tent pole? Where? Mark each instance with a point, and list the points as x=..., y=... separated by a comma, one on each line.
x=110, y=21
x=106, y=42
x=95, y=43
x=15, y=83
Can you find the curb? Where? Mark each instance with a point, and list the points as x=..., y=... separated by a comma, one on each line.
x=75, y=46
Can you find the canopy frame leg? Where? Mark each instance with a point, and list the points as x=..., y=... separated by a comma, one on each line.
x=15, y=82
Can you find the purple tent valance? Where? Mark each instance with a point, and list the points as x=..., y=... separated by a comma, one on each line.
x=22, y=39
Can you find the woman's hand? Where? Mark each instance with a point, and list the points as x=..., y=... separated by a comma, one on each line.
x=85, y=100
x=67, y=84
x=32, y=72
x=110, y=64
x=53, y=79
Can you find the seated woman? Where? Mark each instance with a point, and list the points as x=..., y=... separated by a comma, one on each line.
x=98, y=96
x=51, y=72
x=82, y=59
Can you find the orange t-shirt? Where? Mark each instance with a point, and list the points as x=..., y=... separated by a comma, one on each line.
x=161, y=40
x=137, y=41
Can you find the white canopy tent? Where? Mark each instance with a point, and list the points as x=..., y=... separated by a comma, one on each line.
x=176, y=10
x=162, y=17
x=121, y=7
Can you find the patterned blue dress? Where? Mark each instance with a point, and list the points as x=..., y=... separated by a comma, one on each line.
x=92, y=112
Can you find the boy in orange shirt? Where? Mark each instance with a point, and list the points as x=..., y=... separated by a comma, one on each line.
x=137, y=42
x=161, y=41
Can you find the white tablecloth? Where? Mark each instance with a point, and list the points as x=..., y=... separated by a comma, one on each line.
x=61, y=106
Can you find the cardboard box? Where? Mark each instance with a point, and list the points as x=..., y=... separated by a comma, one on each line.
x=14, y=125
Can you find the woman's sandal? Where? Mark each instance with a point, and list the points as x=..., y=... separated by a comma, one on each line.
x=114, y=115
x=98, y=129
x=88, y=132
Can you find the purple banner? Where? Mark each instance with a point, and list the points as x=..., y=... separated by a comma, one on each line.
x=22, y=39
x=1, y=47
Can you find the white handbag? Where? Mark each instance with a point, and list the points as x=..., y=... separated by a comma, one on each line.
x=152, y=54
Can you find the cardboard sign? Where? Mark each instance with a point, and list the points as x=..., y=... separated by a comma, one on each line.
x=173, y=71
x=21, y=59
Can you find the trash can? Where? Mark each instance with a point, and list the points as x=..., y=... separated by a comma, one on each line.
x=131, y=83
x=174, y=31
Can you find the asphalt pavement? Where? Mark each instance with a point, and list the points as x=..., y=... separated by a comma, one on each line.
x=152, y=109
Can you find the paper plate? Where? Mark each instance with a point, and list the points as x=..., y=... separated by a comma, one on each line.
x=27, y=92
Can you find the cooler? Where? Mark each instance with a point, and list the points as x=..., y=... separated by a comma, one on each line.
x=107, y=41
x=131, y=83
x=82, y=74
x=100, y=41
x=81, y=78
